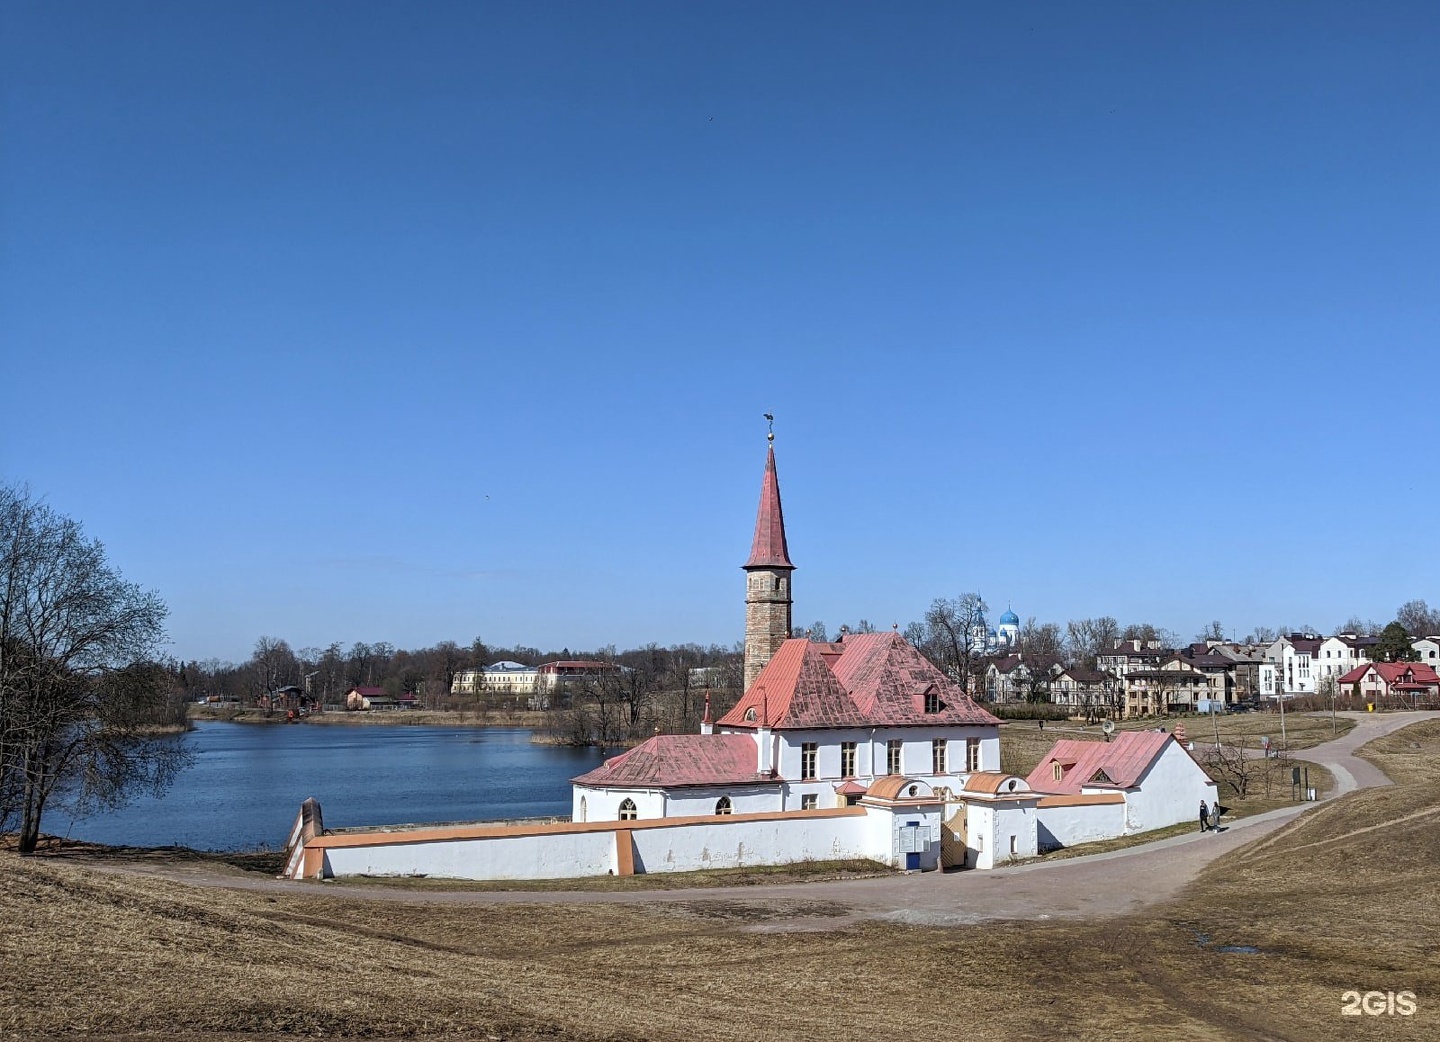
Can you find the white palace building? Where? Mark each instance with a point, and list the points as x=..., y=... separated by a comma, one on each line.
x=856, y=749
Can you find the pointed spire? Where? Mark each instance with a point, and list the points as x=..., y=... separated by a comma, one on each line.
x=707, y=725
x=768, y=550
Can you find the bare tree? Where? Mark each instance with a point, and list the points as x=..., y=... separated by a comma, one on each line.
x=1214, y=630
x=948, y=636
x=1042, y=641
x=1090, y=638
x=80, y=693
x=1418, y=619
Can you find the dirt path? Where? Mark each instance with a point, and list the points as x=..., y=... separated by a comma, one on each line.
x=1097, y=885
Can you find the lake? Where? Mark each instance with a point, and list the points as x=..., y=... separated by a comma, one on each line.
x=247, y=782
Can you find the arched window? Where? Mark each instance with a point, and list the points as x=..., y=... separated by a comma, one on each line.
x=582, y=808
x=627, y=810
x=722, y=805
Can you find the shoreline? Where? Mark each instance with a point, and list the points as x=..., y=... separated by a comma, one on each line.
x=524, y=719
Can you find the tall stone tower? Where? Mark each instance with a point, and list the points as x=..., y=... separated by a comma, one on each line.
x=767, y=578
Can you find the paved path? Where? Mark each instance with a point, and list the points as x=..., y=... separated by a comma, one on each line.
x=1098, y=884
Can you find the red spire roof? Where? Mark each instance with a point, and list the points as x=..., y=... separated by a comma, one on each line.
x=769, y=549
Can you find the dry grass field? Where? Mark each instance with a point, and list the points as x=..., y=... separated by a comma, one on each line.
x=1341, y=899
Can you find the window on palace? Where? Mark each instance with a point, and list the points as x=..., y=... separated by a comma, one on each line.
x=892, y=756
x=972, y=754
x=722, y=805
x=847, y=759
x=809, y=801
x=807, y=760
x=937, y=756
x=628, y=811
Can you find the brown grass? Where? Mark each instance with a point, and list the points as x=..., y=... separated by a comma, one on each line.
x=1341, y=899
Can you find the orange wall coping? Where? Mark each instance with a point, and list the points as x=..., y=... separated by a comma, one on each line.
x=462, y=832
x=1083, y=799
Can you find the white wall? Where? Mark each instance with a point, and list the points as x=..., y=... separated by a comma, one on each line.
x=1069, y=826
x=1169, y=792
x=734, y=844
x=544, y=856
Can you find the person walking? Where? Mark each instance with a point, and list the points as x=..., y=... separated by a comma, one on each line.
x=1204, y=816
x=1215, y=816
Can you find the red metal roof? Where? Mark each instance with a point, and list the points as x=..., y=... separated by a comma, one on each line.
x=673, y=760
x=866, y=680
x=1122, y=761
x=889, y=679
x=1392, y=672
x=768, y=550
x=796, y=689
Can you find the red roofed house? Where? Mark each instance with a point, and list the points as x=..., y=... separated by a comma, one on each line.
x=1158, y=780
x=1390, y=683
x=818, y=724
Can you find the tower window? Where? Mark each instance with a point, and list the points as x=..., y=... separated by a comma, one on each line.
x=972, y=754
x=937, y=756
x=807, y=760
x=627, y=810
x=847, y=759
x=722, y=805
x=892, y=756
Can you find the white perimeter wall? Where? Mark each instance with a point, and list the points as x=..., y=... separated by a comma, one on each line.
x=722, y=844
x=1169, y=792
x=549, y=856
x=719, y=842
x=1068, y=826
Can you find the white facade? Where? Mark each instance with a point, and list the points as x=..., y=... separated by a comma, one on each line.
x=1338, y=656
x=606, y=804
x=1167, y=793
x=1295, y=668
x=1428, y=648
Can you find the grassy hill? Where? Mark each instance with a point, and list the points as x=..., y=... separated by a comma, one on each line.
x=1341, y=899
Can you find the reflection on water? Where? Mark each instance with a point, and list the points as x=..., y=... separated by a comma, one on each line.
x=248, y=781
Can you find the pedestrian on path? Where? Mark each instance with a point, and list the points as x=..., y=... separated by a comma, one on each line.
x=1215, y=815
x=1204, y=816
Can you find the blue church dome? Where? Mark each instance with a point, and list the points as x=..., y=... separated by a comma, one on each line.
x=1009, y=619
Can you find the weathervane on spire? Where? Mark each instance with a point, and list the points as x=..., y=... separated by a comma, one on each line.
x=770, y=418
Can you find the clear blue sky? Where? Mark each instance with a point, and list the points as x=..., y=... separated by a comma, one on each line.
x=411, y=322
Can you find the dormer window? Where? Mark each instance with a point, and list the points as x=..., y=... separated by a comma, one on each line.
x=932, y=701
x=750, y=713
x=1058, y=770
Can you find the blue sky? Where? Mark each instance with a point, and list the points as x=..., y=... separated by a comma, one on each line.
x=413, y=322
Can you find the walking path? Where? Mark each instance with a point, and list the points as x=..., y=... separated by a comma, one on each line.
x=1094, y=885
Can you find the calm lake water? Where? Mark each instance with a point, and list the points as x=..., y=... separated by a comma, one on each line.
x=248, y=780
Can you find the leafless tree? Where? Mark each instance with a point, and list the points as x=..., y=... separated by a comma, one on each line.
x=1214, y=630
x=1418, y=619
x=1042, y=641
x=948, y=636
x=1090, y=638
x=80, y=693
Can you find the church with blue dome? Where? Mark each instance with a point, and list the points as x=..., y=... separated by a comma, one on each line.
x=999, y=639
